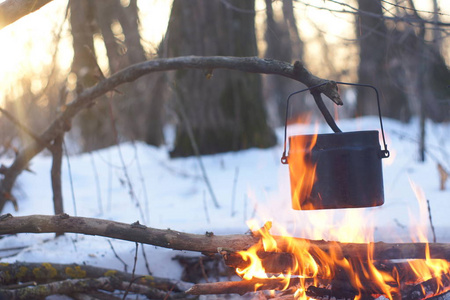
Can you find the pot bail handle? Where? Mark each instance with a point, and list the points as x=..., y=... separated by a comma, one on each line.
x=323, y=109
x=328, y=118
x=284, y=156
x=383, y=153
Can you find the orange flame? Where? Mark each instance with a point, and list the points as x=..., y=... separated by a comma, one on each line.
x=302, y=170
x=428, y=268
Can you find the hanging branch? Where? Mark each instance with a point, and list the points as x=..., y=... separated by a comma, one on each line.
x=245, y=64
x=208, y=243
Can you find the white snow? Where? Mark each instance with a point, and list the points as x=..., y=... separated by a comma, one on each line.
x=248, y=184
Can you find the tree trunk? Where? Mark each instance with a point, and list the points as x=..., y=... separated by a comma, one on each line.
x=291, y=22
x=82, y=23
x=224, y=110
x=142, y=112
x=280, y=47
x=378, y=67
x=95, y=132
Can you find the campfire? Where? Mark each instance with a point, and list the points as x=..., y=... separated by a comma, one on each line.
x=299, y=268
x=305, y=270
x=340, y=170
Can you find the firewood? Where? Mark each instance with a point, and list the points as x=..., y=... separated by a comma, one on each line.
x=241, y=287
x=44, y=272
x=261, y=284
x=70, y=286
x=323, y=293
x=276, y=263
x=337, y=291
x=273, y=262
x=426, y=288
x=210, y=243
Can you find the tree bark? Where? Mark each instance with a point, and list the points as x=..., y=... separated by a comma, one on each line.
x=209, y=243
x=13, y=10
x=246, y=64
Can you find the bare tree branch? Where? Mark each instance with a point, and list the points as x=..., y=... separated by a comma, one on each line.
x=355, y=11
x=208, y=243
x=13, y=10
x=245, y=64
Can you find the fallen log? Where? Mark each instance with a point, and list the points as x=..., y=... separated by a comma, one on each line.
x=70, y=286
x=209, y=243
x=44, y=272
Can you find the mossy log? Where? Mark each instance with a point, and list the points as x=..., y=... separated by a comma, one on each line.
x=46, y=272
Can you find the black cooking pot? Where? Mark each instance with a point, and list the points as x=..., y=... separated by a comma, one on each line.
x=337, y=170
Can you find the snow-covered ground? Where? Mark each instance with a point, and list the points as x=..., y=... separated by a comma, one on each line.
x=171, y=193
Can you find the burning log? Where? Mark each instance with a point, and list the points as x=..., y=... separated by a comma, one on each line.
x=403, y=282
x=273, y=262
x=427, y=288
x=338, y=290
x=209, y=243
x=259, y=284
x=324, y=293
x=276, y=263
x=241, y=287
